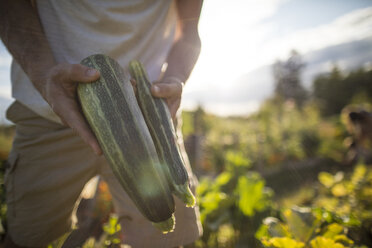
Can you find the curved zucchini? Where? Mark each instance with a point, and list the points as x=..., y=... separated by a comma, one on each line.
x=159, y=122
x=111, y=109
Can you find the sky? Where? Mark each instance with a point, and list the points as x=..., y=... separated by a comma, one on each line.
x=242, y=38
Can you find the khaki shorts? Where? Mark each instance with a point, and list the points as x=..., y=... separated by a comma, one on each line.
x=48, y=168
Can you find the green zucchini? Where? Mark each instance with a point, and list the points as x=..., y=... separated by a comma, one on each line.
x=111, y=109
x=159, y=122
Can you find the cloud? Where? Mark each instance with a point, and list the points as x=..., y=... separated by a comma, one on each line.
x=347, y=56
x=356, y=25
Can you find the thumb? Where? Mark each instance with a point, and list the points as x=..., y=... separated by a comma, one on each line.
x=166, y=90
x=81, y=73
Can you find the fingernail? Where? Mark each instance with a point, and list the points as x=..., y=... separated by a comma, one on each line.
x=91, y=72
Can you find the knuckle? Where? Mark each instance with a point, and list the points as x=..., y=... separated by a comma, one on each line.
x=56, y=71
x=167, y=89
x=75, y=71
x=59, y=72
x=180, y=88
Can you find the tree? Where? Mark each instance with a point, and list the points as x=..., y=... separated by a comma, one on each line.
x=287, y=76
x=334, y=90
x=330, y=92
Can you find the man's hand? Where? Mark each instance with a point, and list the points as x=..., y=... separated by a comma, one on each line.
x=23, y=35
x=171, y=90
x=59, y=90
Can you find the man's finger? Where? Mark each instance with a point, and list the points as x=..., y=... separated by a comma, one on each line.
x=173, y=108
x=82, y=74
x=173, y=111
x=165, y=90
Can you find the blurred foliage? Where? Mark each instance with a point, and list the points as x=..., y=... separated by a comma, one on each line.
x=3, y=206
x=335, y=90
x=339, y=215
x=300, y=228
x=6, y=140
x=233, y=204
x=196, y=122
x=350, y=197
x=279, y=132
x=110, y=238
x=282, y=130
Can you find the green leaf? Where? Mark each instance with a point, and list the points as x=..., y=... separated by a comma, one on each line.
x=339, y=190
x=366, y=192
x=351, y=220
x=322, y=214
x=203, y=186
x=211, y=200
x=301, y=222
x=275, y=228
x=116, y=241
x=359, y=173
x=223, y=178
x=333, y=230
x=343, y=239
x=251, y=197
x=326, y=179
x=322, y=242
x=112, y=226
x=262, y=232
x=237, y=159
x=214, y=203
x=283, y=242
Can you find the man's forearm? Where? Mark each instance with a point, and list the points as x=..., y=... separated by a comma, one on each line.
x=182, y=58
x=186, y=50
x=23, y=35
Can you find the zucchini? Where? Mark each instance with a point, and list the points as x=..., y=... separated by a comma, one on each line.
x=111, y=109
x=160, y=124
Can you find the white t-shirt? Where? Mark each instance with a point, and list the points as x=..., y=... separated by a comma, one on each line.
x=124, y=30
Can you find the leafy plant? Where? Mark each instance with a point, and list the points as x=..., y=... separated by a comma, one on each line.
x=110, y=237
x=3, y=207
x=339, y=216
x=233, y=204
x=301, y=227
x=347, y=196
